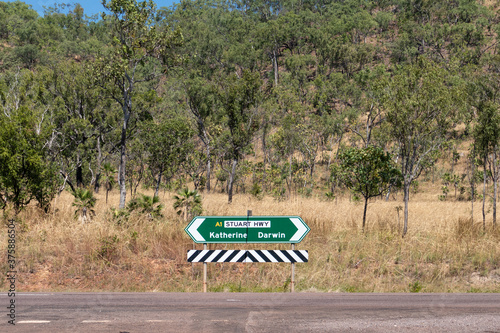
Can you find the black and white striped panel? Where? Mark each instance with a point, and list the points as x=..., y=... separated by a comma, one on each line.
x=247, y=256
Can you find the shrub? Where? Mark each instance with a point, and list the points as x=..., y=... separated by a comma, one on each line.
x=84, y=203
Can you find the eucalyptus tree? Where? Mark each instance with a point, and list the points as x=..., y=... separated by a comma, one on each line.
x=201, y=99
x=21, y=31
x=332, y=101
x=368, y=171
x=206, y=28
x=421, y=102
x=340, y=36
x=283, y=142
x=278, y=31
x=485, y=100
x=25, y=174
x=167, y=141
x=26, y=170
x=140, y=51
x=442, y=30
x=486, y=138
x=27, y=109
x=237, y=99
x=81, y=124
x=309, y=135
x=269, y=34
x=368, y=114
x=71, y=34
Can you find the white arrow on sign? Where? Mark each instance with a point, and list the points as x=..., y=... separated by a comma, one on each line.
x=193, y=229
x=301, y=229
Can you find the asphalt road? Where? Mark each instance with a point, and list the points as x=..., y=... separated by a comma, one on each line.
x=251, y=312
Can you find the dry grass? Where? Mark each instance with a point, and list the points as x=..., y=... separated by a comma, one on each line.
x=443, y=251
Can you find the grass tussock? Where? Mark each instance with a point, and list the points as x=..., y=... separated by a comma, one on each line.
x=444, y=251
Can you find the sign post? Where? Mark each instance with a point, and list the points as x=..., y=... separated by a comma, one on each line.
x=292, y=284
x=205, y=271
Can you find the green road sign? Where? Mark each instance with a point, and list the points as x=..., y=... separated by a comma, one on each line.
x=247, y=229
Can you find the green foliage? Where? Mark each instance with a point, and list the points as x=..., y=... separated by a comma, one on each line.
x=108, y=177
x=257, y=191
x=84, y=201
x=146, y=205
x=423, y=102
x=295, y=78
x=367, y=171
x=81, y=122
x=168, y=143
x=140, y=51
x=448, y=180
x=330, y=196
x=237, y=97
x=120, y=216
x=279, y=193
x=415, y=287
x=25, y=172
x=108, y=249
x=188, y=203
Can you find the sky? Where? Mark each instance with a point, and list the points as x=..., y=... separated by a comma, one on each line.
x=90, y=7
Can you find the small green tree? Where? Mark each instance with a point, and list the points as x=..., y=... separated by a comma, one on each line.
x=367, y=171
x=84, y=203
x=188, y=203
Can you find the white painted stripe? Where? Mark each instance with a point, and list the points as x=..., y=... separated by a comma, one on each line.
x=269, y=255
x=305, y=254
x=282, y=256
x=294, y=256
x=33, y=321
x=224, y=257
x=200, y=255
x=256, y=255
x=214, y=254
x=238, y=256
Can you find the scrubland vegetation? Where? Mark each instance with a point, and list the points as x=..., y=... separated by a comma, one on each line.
x=443, y=252
x=329, y=110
